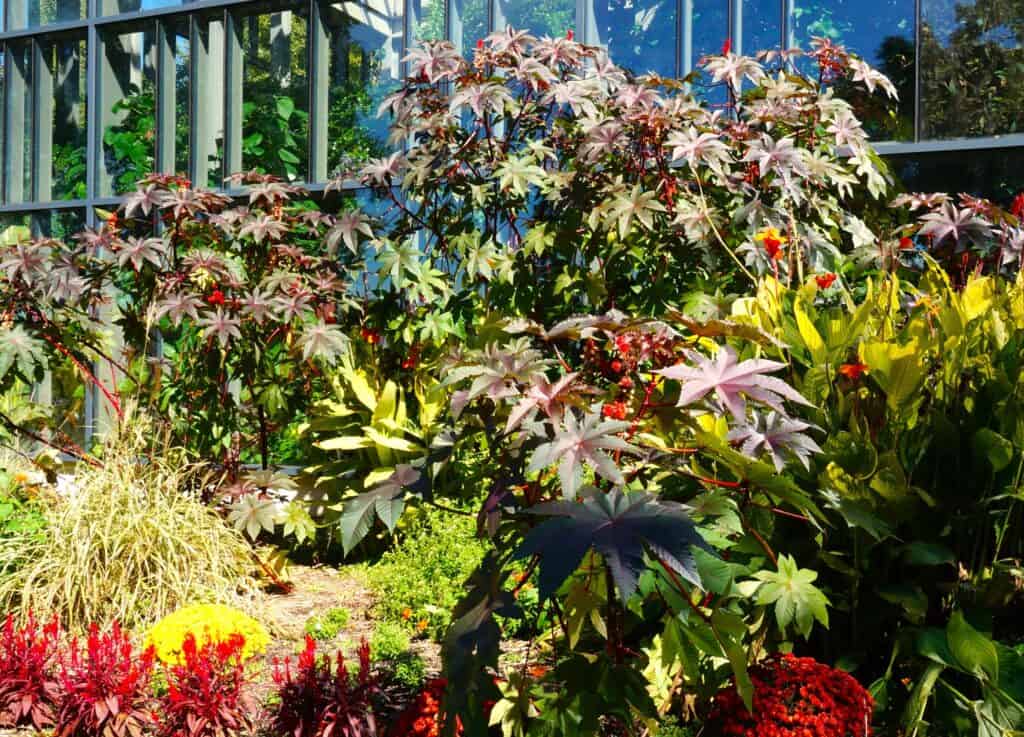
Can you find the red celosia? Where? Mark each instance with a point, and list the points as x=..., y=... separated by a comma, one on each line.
x=319, y=699
x=422, y=717
x=794, y=697
x=106, y=687
x=29, y=679
x=206, y=695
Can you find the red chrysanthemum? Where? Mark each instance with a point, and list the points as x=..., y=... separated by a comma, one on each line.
x=794, y=697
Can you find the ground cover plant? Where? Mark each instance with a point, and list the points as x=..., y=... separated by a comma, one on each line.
x=714, y=389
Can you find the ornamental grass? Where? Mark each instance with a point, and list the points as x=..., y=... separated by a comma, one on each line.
x=131, y=542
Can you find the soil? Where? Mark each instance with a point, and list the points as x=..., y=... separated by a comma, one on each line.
x=316, y=590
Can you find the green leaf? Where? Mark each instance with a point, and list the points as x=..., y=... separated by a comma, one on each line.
x=927, y=554
x=913, y=712
x=729, y=630
x=345, y=442
x=974, y=652
x=796, y=598
x=898, y=369
x=285, y=107
x=992, y=447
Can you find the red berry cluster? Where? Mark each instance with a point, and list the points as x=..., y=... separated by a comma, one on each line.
x=420, y=718
x=634, y=348
x=795, y=697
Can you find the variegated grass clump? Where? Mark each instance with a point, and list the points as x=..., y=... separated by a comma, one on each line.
x=131, y=542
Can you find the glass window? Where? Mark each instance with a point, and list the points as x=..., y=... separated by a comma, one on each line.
x=116, y=7
x=972, y=68
x=881, y=33
x=275, y=118
x=704, y=33
x=994, y=173
x=540, y=17
x=32, y=13
x=61, y=166
x=467, y=24
x=428, y=20
x=759, y=26
x=200, y=100
x=127, y=107
x=365, y=65
x=640, y=35
x=18, y=122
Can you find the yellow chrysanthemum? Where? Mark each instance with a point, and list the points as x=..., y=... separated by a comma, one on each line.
x=206, y=622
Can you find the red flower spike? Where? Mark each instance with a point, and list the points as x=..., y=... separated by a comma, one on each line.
x=569, y=34
x=727, y=47
x=321, y=696
x=480, y=44
x=906, y=244
x=30, y=688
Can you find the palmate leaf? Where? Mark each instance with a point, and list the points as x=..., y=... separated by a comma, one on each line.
x=252, y=515
x=796, y=598
x=578, y=442
x=20, y=350
x=621, y=528
x=386, y=502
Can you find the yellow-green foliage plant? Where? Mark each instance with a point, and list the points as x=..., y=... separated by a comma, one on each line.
x=131, y=542
x=206, y=623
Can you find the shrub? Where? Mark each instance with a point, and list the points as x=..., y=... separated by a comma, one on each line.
x=319, y=699
x=105, y=687
x=328, y=625
x=206, y=694
x=794, y=697
x=29, y=678
x=131, y=543
x=421, y=578
x=205, y=623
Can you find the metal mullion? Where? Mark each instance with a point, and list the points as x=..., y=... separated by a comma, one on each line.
x=165, y=98
x=28, y=207
x=318, y=49
x=233, y=77
x=42, y=121
x=736, y=25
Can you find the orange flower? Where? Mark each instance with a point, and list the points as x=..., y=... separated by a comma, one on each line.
x=422, y=625
x=407, y=614
x=519, y=577
x=772, y=240
x=538, y=671
x=853, y=371
x=825, y=280
x=370, y=336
